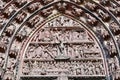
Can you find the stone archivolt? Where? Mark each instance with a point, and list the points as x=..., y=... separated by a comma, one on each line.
x=62, y=38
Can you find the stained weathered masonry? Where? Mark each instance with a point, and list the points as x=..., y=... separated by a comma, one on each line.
x=59, y=40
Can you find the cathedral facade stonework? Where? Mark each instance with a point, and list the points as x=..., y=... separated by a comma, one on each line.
x=59, y=40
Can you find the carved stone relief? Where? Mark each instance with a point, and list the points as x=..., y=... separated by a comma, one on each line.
x=64, y=38
x=63, y=46
x=67, y=67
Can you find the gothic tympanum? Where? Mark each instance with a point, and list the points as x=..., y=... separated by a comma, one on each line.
x=59, y=40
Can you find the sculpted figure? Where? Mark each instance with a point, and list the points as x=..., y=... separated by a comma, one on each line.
x=47, y=35
x=61, y=48
x=55, y=35
x=39, y=36
x=55, y=51
x=76, y=50
x=75, y=35
x=91, y=20
x=70, y=50
x=33, y=21
x=20, y=17
x=2, y=21
x=62, y=6
x=46, y=56
x=26, y=69
x=10, y=29
x=20, y=2
x=91, y=6
x=114, y=26
x=103, y=15
x=2, y=5
x=35, y=68
x=38, y=52
x=47, y=12
x=97, y=69
x=11, y=64
x=112, y=65
x=76, y=11
x=67, y=36
x=47, y=1
x=90, y=68
x=5, y=40
x=9, y=75
x=10, y=10
x=78, y=1
x=101, y=68
x=116, y=62
x=24, y=32
x=33, y=6
x=30, y=52
x=61, y=35
x=117, y=11
x=109, y=47
x=1, y=62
